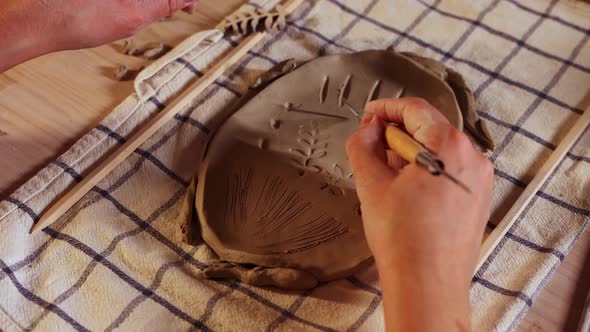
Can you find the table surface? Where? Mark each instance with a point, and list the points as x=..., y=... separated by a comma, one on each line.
x=48, y=103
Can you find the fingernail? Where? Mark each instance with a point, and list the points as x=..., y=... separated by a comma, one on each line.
x=367, y=118
x=374, y=120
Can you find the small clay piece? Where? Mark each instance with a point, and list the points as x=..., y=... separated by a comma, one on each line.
x=130, y=47
x=324, y=89
x=254, y=20
x=372, y=93
x=281, y=277
x=154, y=51
x=275, y=72
x=123, y=73
x=282, y=196
x=344, y=90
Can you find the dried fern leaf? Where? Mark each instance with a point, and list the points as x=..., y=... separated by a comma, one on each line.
x=254, y=20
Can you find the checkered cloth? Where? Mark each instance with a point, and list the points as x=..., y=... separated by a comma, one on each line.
x=116, y=260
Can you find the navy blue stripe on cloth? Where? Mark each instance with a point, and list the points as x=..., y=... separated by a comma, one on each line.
x=280, y=309
x=72, y=172
x=472, y=64
x=23, y=207
x=148, y=228
x=128, y=310
x=126, y=278
x=162, y=167
x=366, y=314
x=543, y=195
x=193, y=122
x=292, y=308
x=545, y=279
x=514, y=52
x=27, y=294
x=154, y=100
x=112, y=134
x=551, y=17
x=348, y=28
x=472, y=26
x=171, y=132
x=106, y=253
x=536, y=247
x=355, y=281
x=209, y=307
x=521, y=217
x=531, y=136
x=190, y=67
x=517, y=129
x=199, y=73
x=235, y=43
x=415, y=23
x=322, y=37
x=506, y=36
x=489, y=285
x=145, y=154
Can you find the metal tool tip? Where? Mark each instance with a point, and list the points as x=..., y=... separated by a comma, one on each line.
x=457, y=182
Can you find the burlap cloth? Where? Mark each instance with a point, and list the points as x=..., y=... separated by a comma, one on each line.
x=116, y=260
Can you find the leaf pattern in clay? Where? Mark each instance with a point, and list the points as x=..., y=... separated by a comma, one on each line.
x=313, y=147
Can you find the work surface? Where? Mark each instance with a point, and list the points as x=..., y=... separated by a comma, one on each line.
x=48, y=103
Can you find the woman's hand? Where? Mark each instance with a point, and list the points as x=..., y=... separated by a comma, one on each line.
x=424, y=231
x=30, y=28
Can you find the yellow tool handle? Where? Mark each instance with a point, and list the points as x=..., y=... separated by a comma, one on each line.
x=402, y=143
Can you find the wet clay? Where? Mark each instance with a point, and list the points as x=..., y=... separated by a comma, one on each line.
x=275, y=187
x=285, y=278
x=473, y=124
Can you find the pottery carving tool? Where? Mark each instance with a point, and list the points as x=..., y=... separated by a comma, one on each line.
x=412, y=151
x=151, y=127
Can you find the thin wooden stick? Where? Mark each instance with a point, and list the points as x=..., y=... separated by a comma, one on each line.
x=585, y=320
x=531, y=190
x=180, y=103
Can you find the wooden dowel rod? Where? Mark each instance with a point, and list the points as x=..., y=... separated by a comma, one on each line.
x=184, y=100
x=534, y=186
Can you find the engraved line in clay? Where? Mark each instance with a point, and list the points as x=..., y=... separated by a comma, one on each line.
x=283, y=208
x=372, y=93
x=290, y=107
x=320, y=231
x=352, y=110
x=237, y=191
x=314, y=147
x=275, y=124
x=324, y=89
x=344, y=90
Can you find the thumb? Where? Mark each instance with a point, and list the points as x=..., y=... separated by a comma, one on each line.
x=368, y=156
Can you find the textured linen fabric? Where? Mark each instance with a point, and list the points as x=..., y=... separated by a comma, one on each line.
x=116, y=260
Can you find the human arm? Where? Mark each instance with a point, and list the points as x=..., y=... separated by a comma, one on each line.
x=31, y=28
x=425, y=232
